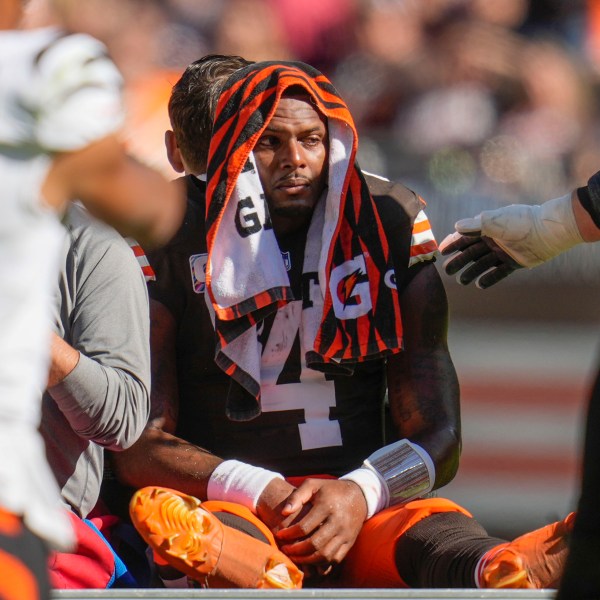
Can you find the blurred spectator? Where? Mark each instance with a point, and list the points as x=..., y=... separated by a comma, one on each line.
x=381, y=71
x=250, y=28
x=470, y=97
x=510, y=14
x=548, y=124
x=323, y=34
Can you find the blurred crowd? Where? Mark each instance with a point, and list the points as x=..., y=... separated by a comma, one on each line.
x=474, y=103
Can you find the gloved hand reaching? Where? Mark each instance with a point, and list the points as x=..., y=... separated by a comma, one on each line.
x=497, y=242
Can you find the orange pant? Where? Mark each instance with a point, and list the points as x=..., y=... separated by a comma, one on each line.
x=371, y=561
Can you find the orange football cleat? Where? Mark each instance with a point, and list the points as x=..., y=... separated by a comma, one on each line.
x=196, y=543
x=534, y=560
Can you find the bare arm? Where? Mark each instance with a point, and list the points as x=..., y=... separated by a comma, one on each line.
x=63, y=359
x=588, y=229
x=422, y=383
x=164, y=396
x=161, y=458
x=131, y=197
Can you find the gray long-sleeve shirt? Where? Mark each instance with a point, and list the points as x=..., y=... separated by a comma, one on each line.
x=104, y=402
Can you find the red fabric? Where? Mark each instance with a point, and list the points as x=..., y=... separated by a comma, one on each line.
x=92, y=564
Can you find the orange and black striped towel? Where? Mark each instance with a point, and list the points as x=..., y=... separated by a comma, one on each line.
x=358, y=316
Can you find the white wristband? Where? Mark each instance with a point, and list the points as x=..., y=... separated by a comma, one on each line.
x=374, y=490
x=235, y=481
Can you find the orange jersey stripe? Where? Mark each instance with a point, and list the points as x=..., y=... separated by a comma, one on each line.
x=423, y=249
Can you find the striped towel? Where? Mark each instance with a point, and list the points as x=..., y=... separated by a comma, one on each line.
x=358, y=316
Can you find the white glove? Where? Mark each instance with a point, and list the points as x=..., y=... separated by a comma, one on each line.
x=529, y=234
x=496, y=242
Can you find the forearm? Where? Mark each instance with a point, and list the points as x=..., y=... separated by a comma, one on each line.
x=590, y=232
x=424, y=404
x=63, y=359
x=422, y=382
x=151, y=215
x=134, y=199
x=159, y=458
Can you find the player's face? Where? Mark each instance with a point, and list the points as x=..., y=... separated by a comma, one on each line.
x=291, y=158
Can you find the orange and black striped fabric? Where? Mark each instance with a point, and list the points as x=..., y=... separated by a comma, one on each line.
x=247, y=103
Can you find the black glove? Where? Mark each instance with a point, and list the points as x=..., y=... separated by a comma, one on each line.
x=486, y=263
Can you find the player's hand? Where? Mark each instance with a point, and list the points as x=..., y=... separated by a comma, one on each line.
x=271, y=503
x=485, y=261
x=324, y=534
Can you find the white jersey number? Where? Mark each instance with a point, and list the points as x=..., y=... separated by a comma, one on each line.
x=310, y=391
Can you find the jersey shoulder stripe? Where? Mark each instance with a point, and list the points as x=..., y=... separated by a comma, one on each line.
x=423, y=246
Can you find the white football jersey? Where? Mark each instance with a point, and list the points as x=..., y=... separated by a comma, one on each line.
x=58, y=93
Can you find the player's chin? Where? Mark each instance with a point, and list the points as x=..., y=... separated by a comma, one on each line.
x=294, y=209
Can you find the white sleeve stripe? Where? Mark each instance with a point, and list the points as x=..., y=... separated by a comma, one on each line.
x=422, y=238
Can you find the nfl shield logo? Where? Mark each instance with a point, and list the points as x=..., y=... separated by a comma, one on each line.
x=287, y=260
x=198, y=269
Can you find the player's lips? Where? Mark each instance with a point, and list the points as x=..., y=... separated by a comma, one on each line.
x=293, y=186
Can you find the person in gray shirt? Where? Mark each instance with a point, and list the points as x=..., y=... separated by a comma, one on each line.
x=98, y=386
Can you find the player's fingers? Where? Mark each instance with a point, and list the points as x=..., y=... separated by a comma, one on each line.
x=493, y=276
x=482, y=264
x=456, y=242
x=319, y=548
x=503, y=256
x=447, y=245
x=472, y=253
x=341, y=553
x=298, y=498
x=299, y=549
x=302, y=528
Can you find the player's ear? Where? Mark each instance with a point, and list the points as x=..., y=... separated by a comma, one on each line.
x=173, y=153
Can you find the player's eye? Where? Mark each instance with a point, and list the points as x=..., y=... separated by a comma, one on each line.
x=267, y=141
x=313, y=140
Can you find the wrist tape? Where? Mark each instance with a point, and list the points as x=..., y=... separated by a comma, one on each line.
x=235, y=481
x=394, y=474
